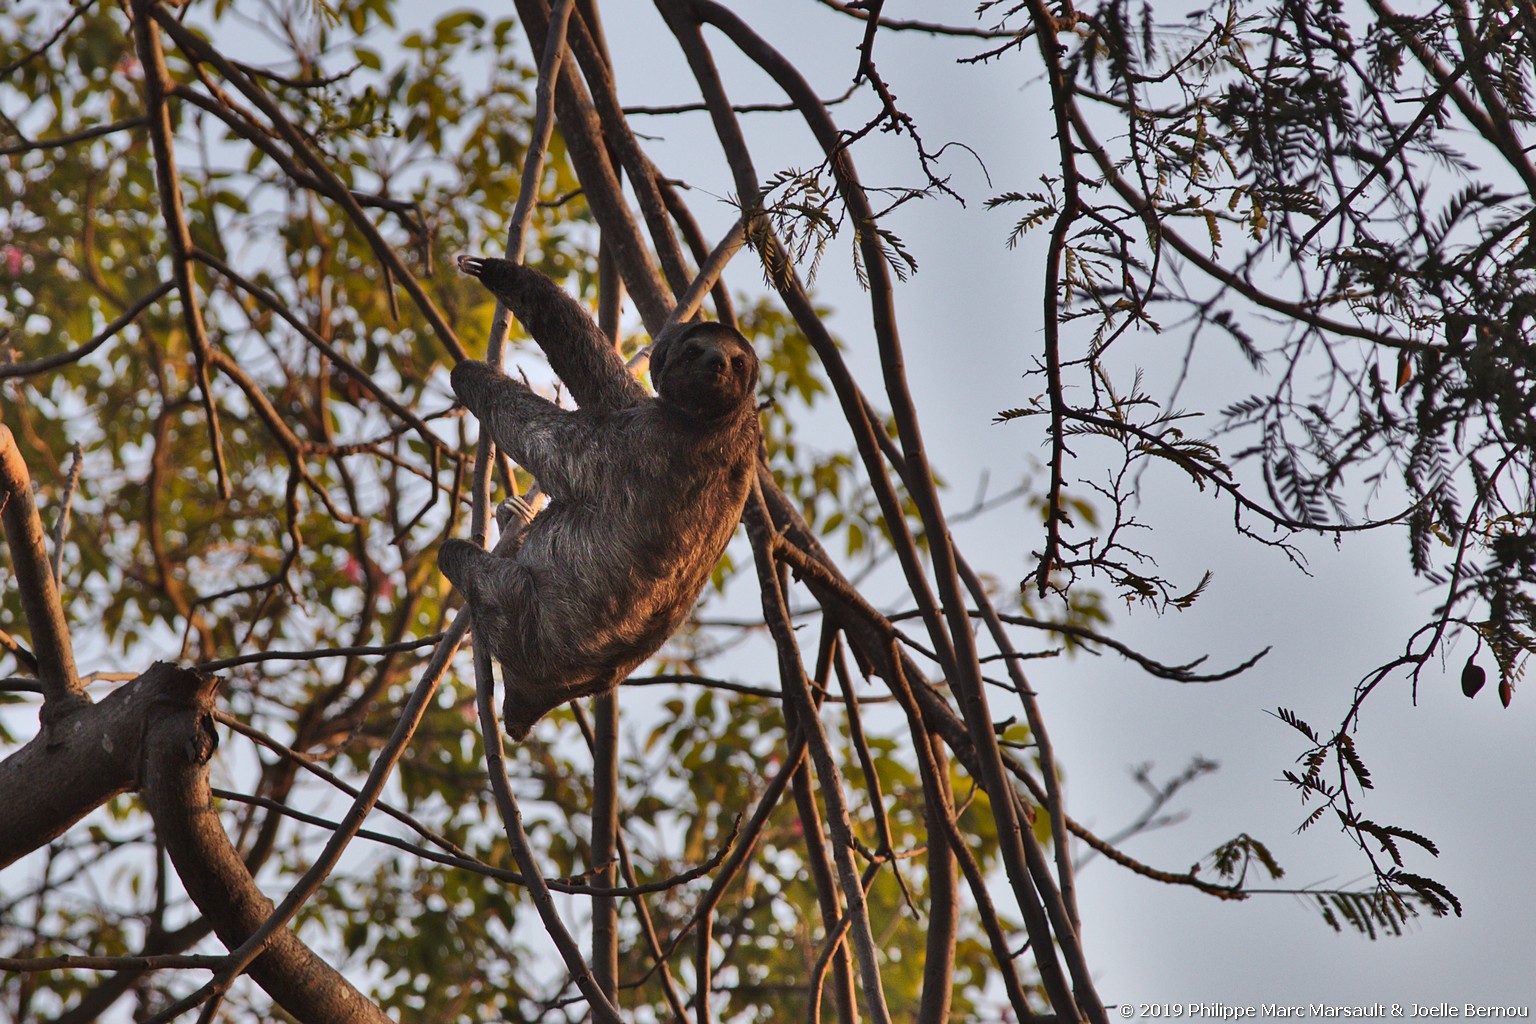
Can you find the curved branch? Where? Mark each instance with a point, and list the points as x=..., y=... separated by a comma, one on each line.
x=198, y=50
x=928, y=27
x=62, y=690
x=872, y=635
x=1230, y=487
x=410, y=717
x=1178, y=673
x=176, y=792
x=1066, y=216
x=37, y=366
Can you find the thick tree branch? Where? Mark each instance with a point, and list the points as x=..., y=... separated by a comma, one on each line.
x=84, y=759
x=591, y=52
x=582, y=131
x=962, y=663
x=177, y=746
x=686, y=30
x=63, y=692
x=411, y=715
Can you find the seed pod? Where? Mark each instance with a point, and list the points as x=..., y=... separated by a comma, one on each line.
x=1472, y=678
x=1506, y=692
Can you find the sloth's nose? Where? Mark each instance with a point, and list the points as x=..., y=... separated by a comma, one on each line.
x=713, y=361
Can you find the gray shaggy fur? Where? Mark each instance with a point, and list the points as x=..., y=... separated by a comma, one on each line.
x=644, y=495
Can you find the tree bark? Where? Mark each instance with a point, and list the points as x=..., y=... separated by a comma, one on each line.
x=177, y=746
x=78, y=762
x=62, y=690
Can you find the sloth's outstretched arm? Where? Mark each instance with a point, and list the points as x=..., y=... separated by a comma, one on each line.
x=550, y=442
x=579, y=352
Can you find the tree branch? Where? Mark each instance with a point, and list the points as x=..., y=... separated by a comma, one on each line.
x=198, y=50
x=157, y=81
x=83, y=760
x=63, y=693
x=175, y=790
x=797, y=688
x=955, y=645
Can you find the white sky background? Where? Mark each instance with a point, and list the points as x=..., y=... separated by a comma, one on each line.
x=1454, y=769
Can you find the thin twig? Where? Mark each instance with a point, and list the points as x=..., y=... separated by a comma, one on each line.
x=76, y=962
x=66, y=504
x=43, y=47
x=61, y=141
x=740, y=108
x=102, y=337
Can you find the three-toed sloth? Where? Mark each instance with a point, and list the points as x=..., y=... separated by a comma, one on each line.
x=644, y=493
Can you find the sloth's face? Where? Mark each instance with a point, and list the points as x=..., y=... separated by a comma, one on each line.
x=709, y=370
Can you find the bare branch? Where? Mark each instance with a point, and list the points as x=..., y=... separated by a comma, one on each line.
x=157, y=82
x=795, y=684
x=176, y=792
x=63, y=693
x=198, y=50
